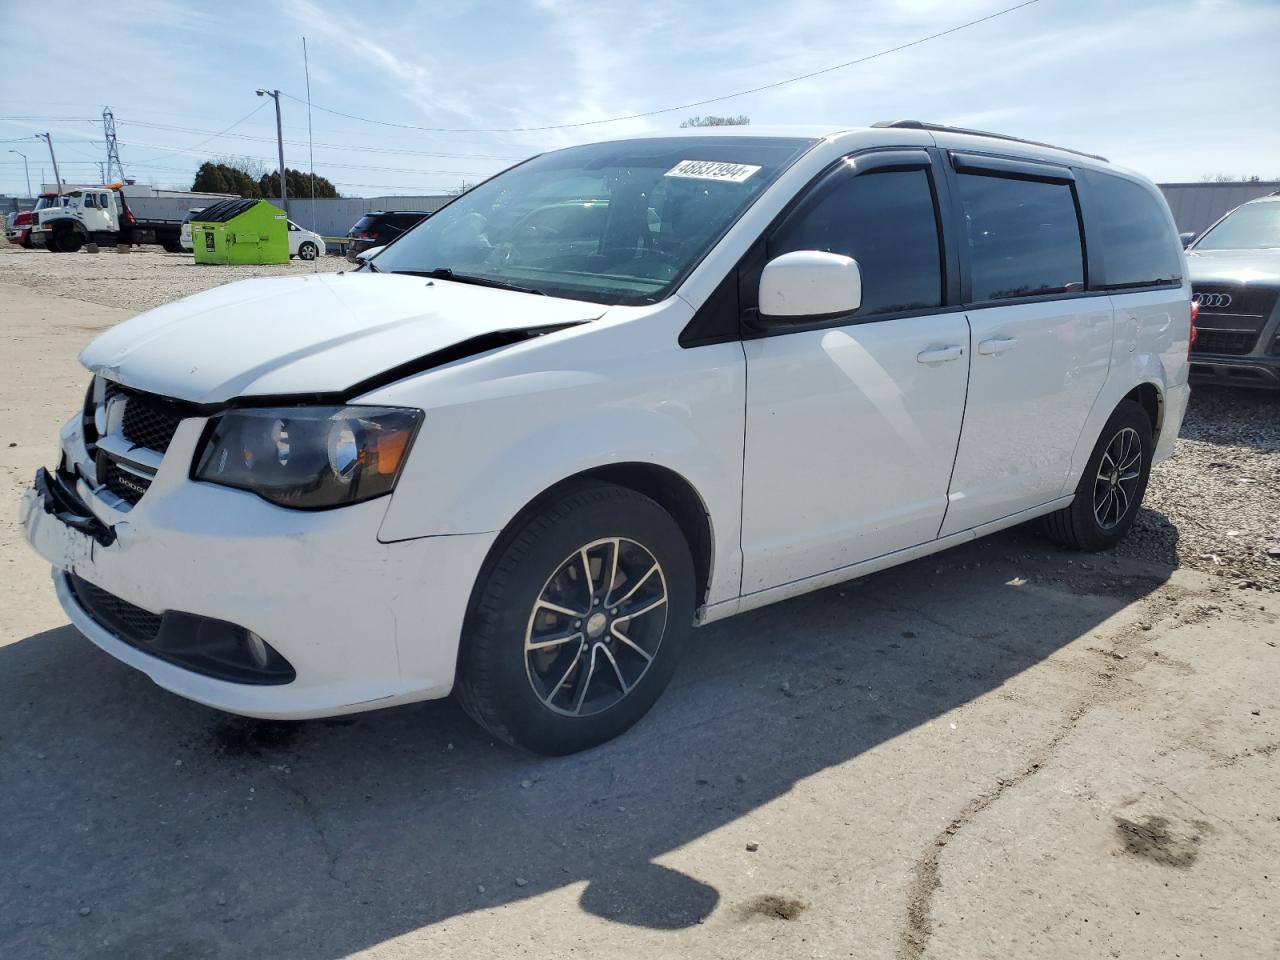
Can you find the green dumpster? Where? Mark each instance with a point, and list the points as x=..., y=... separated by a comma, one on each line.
x=240, y=231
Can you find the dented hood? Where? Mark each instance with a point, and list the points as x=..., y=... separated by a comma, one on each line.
x=320, y=333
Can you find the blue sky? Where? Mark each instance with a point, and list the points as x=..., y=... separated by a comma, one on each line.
x=1175, y=89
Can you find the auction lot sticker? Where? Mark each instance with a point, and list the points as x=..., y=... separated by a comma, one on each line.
x=712, y=170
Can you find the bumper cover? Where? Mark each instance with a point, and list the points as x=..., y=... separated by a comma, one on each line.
x=364, y=624
x=1248, y=371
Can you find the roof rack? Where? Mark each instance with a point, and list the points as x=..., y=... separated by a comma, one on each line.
x=943, y=128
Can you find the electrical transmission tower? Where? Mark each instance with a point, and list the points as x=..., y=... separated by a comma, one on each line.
x=114, y=169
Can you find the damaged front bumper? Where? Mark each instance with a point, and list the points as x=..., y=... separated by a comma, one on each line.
x=356, y=623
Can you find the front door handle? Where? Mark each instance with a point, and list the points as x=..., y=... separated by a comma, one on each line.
x=997, y=345
x=940, y=354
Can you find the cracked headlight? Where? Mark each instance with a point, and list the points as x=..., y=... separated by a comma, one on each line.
x=308, y=458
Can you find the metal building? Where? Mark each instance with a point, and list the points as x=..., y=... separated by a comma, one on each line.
x=1196, y=206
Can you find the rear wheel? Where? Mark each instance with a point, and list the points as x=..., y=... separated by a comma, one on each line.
x=172, y=246
x=1110, y=492
x=307, y=251
x=578, y=621
x=66, y=240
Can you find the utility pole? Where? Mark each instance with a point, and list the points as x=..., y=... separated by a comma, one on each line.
x=284, y=194
x=25, y=170
x=113, y=151
x=56, y=176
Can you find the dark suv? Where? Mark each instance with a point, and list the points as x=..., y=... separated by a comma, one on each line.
x=379, y=227
x=1235, y=281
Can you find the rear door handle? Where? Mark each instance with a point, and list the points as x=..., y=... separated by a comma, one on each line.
x=940, y=354
x=997, y=345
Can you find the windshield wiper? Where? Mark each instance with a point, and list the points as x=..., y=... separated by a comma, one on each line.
x=445, y=273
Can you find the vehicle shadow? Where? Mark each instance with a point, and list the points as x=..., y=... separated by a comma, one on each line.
x=138, y=824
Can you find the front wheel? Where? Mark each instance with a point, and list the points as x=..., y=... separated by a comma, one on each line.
x=307, y=251
x=578, y=621
x=66, y=241
x=1110, y=492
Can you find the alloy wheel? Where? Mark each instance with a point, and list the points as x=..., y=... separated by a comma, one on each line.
x=1119, y=473
x=596, y=627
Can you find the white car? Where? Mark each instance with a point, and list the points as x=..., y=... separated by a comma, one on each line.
x=303, y=243
x=184, y=234
x=528, y=444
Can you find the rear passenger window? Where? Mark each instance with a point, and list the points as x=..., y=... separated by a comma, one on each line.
x=885, y=221
x=1139, y=247
x=1023, y=236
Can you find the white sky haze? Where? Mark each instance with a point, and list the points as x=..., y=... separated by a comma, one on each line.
x=1175, y=89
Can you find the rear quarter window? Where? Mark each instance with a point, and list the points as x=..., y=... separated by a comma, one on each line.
x=1138, y=243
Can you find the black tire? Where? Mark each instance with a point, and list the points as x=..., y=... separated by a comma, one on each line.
x=1094, y=522
x=307, y=251
x=66, y=240
x=172, y=246
x=497, y=674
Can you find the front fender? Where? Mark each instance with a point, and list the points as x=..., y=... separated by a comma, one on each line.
x=58, y=222
x=490, y=443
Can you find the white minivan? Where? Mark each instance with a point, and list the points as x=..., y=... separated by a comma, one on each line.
x=618, y=390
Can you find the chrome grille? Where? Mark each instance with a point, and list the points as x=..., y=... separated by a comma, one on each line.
x=124, y=483
x=1231, y=317
x=133, y=421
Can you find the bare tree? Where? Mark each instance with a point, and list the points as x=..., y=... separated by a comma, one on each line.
x=741, y=120
x=1229, y=178
x=247, y=165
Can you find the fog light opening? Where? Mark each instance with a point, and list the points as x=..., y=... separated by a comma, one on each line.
x=257, y=648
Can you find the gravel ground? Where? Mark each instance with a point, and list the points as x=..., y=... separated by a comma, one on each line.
x=1215, y=506
x=139, y=280
x=1006, y=750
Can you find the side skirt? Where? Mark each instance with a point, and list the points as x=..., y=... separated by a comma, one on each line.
x=762, y=598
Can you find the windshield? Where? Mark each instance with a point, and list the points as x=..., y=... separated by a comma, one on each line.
x=619, y=222
x=1251, y=227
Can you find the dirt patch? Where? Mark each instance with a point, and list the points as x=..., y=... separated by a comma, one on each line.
x=1154, y=839
x=244, y=737
x=773, y=906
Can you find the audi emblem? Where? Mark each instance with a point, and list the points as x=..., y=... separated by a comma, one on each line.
x=1212, y=300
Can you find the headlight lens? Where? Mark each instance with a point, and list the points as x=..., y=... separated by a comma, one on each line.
x=308, y=458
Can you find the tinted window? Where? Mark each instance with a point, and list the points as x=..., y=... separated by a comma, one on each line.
x=406, y=220
x=886, y=222
x=1139, y=247
x=1023, y=236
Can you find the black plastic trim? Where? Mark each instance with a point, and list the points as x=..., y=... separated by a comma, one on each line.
x=204, y=645
x=59, y=502
x=943, y=128
x=1016, y=168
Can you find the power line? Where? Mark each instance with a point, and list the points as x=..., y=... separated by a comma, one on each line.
x=202, y=142
x=683, y=106
x=334, y=146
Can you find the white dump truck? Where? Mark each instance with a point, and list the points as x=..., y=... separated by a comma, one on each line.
x=117, y=213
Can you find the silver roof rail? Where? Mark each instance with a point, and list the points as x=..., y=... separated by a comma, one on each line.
x=943, y=128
